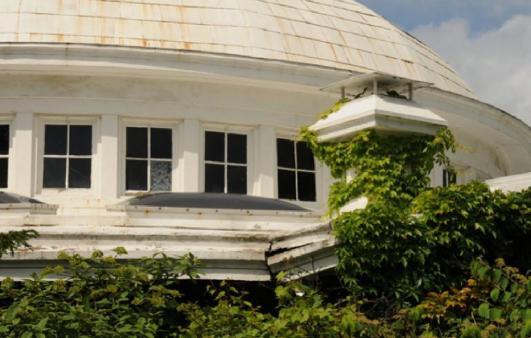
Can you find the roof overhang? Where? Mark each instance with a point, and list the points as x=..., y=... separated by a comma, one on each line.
x=381, y=113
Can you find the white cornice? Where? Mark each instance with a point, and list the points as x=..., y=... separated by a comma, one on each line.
x=68, y=59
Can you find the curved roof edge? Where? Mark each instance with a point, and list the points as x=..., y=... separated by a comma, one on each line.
x=212, y=201
x=478, y=101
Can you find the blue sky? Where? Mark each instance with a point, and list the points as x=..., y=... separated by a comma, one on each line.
x=481, y=15
x=487, y=41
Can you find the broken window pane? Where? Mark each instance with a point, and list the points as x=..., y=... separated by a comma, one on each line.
x=237, y=148
x=286, y=153
x=306, y=186
x=3, y=172
x=304, y=157
x=4, y=139
x=286, y=185
x=79, y=171
x=136, y=175
x=136, y=142
x=214, y=146
x=237, y=180
x=55, y=139
x=214, y=178
x=160, y=176
x=161, y=144
x=80, y=140
x=54, y=173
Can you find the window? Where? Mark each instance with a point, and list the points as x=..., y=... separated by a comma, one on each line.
x=67, y=156
x=4, y=154
x=225, y=163
x=449, y=177
x=148, y=164
x=296, y=171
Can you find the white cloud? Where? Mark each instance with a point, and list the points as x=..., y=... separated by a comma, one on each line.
x=495, y=63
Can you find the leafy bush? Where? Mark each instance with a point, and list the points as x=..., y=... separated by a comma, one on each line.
x=100, y=297
x=411, y=239
x=495, y=303
x=13, y=240
x=302, y=312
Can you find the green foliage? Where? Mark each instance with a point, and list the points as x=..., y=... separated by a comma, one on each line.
x=13, y=240
x=302, y=312
x=411, y=239
x=391, y=168
x=334, y=108
x=495, y=302
x=100, y=297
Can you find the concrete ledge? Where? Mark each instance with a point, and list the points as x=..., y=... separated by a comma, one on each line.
x=510, y=183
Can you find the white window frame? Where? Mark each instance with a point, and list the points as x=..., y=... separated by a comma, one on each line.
x=8, y=121
x=68, y=156
x=323, y=178
x=296, y=170
x=228, y=129
x=40, y=139
x=141, y=123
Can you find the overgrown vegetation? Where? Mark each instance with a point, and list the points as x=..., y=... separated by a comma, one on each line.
x=417, y=261
x=13, y=240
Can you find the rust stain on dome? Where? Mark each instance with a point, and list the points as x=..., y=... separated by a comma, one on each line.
x=341, y=34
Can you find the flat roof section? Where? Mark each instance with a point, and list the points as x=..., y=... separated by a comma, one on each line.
x=213, y=201
x=9, y=198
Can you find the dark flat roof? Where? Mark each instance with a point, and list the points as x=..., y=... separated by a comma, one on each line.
x=213, y=201
x=9, y=198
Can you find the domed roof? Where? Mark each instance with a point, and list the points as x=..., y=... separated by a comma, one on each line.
x=340, y=34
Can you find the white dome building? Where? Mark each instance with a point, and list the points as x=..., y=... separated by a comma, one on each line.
x=105, y=103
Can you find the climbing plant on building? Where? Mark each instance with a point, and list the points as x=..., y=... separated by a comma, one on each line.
x=409, y=239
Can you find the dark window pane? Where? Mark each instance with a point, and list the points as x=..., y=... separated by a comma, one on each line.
x=161, y=144
x=214, y=178
x=3, y=172
x=237, y=148
x=237, y=180
x=214, y=146
x=306, y=183
x=4, y=139
x=80, y=140
x=304, y=157
x=449, y=177
x=136, y=140
x=160, y=176
x=54, y=173
x=286, y=185
x=55, y=140
x=285, y=153
x=136, y=175
x=79, y=173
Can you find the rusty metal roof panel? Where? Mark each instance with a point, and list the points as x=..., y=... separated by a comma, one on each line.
x=331, y=33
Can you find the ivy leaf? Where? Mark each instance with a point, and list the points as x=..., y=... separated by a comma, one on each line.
x=495, y=294
x=484, y=310
x=495, y=314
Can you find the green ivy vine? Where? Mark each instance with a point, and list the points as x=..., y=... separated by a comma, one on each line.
x=410, y=238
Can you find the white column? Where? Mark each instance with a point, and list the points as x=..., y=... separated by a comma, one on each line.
x=21, y=158
x=109, y=154
x=265, y=159
x=189, y=164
